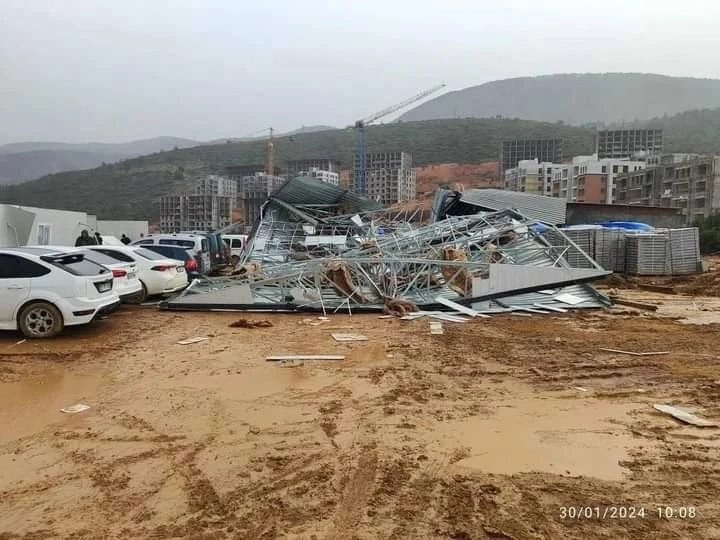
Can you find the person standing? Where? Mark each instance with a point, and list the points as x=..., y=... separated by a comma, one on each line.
x=98, y=239
x=85, y=239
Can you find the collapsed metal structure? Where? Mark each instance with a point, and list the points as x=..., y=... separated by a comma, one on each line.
x=319, y=248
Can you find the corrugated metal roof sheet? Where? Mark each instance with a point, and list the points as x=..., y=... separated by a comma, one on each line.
x=308, y=190
x=536, y=207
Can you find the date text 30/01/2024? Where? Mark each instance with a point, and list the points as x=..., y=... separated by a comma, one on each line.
x=627, y=512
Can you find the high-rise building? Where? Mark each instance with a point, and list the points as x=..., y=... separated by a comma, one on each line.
x=628, y=143
x=390, y=177
x=514, y=151
x=208, y=206
x=192, y=212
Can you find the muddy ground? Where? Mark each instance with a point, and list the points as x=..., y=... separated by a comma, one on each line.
x=498, y=428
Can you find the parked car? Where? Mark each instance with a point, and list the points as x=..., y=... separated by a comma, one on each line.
x=198, y=244
x=125, y=278
x=236, y=243
x=158, y=274
x=178, y=253
x=219, y=254
x=42, y=290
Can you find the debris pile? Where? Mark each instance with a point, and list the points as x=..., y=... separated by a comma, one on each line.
x=318, y=248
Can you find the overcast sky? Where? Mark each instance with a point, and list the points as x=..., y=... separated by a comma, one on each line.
x=118, y=70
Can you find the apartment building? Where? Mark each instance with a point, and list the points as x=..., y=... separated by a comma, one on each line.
x=627, y=143
x=390, y=177
x=591, y=179
x=690, y=182
x=208, y=205
x=531, y=176
x=195, y=212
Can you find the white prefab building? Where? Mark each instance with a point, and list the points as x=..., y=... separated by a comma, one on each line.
x=28, y=225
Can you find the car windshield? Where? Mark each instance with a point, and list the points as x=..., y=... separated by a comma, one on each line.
x=149, y=255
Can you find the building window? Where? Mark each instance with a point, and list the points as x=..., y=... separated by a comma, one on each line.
x=615, y=169
x=44, y=234
x=604, y=168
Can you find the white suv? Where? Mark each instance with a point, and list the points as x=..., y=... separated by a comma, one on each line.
x=43, y=290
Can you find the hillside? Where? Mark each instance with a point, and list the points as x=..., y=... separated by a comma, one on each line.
x=28, y=160
x=575, y=98
x=130, y=189
x=690, y=131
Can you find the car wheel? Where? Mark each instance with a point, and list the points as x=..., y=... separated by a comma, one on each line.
x=40, y=320
x=140, y=297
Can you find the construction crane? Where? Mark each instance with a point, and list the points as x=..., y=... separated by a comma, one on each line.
x=360, y=141
x=270, y=155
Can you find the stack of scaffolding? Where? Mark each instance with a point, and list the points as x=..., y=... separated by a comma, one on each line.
x=610, y=249
x=684, y=250
x=647, y=254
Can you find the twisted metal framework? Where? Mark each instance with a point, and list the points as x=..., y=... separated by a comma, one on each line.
x=363, y=266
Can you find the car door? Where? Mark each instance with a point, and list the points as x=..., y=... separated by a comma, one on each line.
x=14, y=285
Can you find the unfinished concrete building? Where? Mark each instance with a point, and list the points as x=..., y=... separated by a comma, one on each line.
x=628, y=143
x=688, y=182
x=253, y=191
x=195, y=212
x=208, y=206
x=217, y=185
x=298, y=166
x=390, y=177
x=514, y=151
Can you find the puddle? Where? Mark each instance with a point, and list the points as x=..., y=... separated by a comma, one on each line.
x=27, y=407
x=560, y=436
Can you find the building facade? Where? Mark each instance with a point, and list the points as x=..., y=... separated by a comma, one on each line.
x=192, y=212
x=591, y=179
x=390, y=177
x=688, y=182
x=208, y=206
x=253, y=191
x=627, y=143
x=531, y=176
x=512, y=152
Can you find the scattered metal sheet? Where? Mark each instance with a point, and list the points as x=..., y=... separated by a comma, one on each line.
x=436, y=328
x=349, y=337
x=658, y=353
x=294, y=357
x=684, y=416
x=570, y=299
x=460, y=308
x=74, y=409
x=190, y=341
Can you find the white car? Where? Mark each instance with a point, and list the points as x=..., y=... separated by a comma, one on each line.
x=125, y=279
x=158, y=274
x=43, y=290
x=197, y=243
